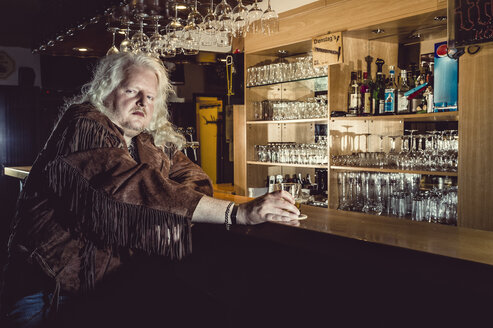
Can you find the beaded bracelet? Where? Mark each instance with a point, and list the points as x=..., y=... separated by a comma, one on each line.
x=233, y=214
x=226, y=215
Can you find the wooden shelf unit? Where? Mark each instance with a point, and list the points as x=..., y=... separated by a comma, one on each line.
x=303, y=120
x=358, y=19
x=313, y=166
x=428, y=117
x=385, y=170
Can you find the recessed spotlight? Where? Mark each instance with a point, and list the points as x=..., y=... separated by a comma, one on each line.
x=378, y=31
x=440, y=18
x=82, y=49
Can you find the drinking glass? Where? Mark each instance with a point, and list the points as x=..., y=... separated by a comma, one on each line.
x=113, y=49
x=224, y=25
x=270, y=21
x=174, y=33
x=125, y=45
x=254, y=16
x=294, y=189
x=240, y=20
x=343, y=191
x=209, y=27
x=140, y=41
x=192, y=32
x=156, y=39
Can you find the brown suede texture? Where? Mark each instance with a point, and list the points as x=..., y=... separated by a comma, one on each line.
x=91, y=150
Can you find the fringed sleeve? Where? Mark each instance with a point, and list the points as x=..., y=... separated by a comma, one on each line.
x=185, y=172
x=123, y=204
x=115, y=201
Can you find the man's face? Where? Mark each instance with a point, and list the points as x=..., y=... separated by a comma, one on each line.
x=131, y=104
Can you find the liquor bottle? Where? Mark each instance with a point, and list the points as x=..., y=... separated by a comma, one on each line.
x=403, y=104
x=430, y=101
x=359, y=80
x=419, y=104
x=390, y=93
x=366, y=95
x=299, y=179
x=354, y=96
x=378, y=96
x=417, y=98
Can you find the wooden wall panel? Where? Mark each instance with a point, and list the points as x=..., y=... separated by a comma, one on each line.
x=321, y=17
x=239, y=142
x=476, y=139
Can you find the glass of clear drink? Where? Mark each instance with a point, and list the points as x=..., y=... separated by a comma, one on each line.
x=295, y=190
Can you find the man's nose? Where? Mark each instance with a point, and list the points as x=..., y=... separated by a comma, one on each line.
x=142, y=101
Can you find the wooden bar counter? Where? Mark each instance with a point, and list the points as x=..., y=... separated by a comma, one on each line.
x=448, y=241
x=341, y=269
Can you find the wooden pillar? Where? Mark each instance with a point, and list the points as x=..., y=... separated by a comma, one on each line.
x=476, y=139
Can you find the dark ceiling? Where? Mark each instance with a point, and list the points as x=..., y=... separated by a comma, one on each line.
x=34, y=23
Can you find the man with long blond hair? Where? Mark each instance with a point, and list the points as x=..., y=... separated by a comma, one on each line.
x=111, y=182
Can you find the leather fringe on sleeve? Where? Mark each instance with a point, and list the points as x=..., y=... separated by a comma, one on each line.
x=116, y=223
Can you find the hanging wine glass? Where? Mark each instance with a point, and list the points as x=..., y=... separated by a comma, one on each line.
x=192, y=32
x=124, y=17
x=174, y=33
x=113, y=50
x=156, y=39
x=167, y=48
x=209, y=27
x=240, y=20
x=269, y=21
x=223, y=13
x=140, y=41
x=125, y=45
x=223, y=35
x=254, y=16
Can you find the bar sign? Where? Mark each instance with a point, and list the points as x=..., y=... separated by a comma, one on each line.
x=327, y=49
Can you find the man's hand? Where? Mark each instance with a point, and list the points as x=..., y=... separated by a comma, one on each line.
x=276, y=206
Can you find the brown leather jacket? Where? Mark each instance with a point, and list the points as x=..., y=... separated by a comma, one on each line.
x=87, y=204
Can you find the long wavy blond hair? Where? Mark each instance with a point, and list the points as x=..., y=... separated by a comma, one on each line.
x=110, y=73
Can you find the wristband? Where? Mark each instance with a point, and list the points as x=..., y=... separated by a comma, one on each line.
x=233, y=214
x=226, y=215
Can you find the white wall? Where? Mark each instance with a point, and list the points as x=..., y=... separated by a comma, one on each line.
x=22, y=57
x=280, y=6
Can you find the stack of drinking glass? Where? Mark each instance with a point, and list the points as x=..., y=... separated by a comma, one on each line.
x=283, y=71
x=397, y=194
x=434, y=151
x=314, y=107
x=294, y=153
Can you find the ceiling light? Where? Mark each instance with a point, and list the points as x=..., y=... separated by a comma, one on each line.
x=378, y=31
x=181, y=6
x=82, y=49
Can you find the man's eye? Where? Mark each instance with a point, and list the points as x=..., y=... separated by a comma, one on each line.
x=129, y=91
x=151, y=98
